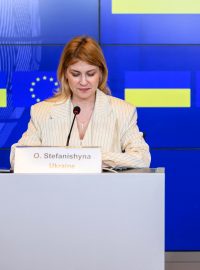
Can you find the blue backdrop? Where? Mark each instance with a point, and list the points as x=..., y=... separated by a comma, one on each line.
x=142, y=51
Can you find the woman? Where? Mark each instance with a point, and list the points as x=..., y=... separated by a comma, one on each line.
x=104, y=121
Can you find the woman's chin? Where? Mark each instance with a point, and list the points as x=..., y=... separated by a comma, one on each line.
x=86, y=94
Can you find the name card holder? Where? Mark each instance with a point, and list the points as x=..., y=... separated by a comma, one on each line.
x=44, y=159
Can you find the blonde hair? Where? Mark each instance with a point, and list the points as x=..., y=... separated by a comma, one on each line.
x=85, y=49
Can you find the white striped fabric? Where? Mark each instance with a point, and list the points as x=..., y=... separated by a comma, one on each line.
x=113, y=127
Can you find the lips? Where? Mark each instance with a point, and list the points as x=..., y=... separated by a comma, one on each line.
x=83, y=89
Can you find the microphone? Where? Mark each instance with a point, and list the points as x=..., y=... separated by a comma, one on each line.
x=76, y=111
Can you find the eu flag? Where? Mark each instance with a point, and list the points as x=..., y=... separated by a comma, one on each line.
x=31, y=87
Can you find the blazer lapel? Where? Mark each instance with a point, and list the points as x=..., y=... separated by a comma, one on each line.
x=104, y=123
x=58, y=124
x=61, y=110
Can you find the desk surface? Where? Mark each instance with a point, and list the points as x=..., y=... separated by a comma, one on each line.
x=143, y=170
x=82, y=222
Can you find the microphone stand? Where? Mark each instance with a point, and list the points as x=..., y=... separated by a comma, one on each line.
x=76, y=111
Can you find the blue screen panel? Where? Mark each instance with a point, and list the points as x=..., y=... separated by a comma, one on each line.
x=148, y=28
x=159, y=66
x=182, y=219
x=44, y=21
x=2, y=80
x=4, y=158
x=28, y=80
x=62, y=20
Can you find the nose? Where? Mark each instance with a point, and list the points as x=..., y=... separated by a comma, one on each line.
x=83, y=80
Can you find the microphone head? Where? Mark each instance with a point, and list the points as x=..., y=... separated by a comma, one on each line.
x=76, y=110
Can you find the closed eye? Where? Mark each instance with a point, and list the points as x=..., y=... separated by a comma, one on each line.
x=75, y=74
x=91, y=74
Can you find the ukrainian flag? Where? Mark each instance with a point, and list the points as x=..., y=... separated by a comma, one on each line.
x=158, y=89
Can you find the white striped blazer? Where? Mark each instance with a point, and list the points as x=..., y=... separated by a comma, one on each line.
x=113, y=127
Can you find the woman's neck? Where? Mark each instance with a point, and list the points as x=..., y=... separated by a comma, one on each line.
x=88, y=103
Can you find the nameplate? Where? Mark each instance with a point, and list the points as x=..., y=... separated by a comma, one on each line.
x=57, y=160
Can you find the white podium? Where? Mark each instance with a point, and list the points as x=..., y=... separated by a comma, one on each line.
x=103, y=221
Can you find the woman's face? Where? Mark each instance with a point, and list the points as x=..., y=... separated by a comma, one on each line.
x=83, y=80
